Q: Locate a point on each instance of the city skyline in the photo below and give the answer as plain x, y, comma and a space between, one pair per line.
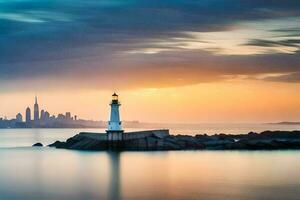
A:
38, 114
36, 118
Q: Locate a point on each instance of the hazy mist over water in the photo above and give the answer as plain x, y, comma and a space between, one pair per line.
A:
33, 173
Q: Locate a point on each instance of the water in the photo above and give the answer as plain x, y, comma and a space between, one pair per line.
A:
32, 173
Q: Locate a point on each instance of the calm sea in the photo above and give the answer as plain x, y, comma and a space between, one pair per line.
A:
32, 173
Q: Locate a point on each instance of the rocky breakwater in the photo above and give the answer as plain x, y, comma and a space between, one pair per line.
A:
268, 140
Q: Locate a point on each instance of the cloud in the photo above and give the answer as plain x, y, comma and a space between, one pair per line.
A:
270, 43
288, 78
144, 43
244, 38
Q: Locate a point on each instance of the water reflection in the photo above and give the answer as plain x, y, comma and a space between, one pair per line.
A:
41, 173
114, 188
37, 172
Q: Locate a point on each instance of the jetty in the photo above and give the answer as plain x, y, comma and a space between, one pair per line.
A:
161, 140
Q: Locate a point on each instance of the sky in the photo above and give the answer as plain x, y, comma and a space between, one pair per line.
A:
183, 61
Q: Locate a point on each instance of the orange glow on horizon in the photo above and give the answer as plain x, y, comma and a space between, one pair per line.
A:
232, 101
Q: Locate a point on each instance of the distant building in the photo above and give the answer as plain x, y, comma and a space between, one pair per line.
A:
68, 115
19, 117
47, 115
28, 115
60, 117
42, 117
36, 110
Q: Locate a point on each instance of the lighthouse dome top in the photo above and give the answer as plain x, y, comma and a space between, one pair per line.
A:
114, 96
115, 99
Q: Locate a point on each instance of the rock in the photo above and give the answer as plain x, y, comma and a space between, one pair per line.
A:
267, 140
58, 144
189, 142
37, 144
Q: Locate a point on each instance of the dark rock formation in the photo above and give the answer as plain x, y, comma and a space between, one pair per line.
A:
37, 145
267, 140
81, 142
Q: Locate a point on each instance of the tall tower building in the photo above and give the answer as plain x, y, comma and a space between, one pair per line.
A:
42, 116
28, 115
114, 131
36, 110
47, 115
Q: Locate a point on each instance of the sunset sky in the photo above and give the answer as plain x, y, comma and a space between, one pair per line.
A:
182, 61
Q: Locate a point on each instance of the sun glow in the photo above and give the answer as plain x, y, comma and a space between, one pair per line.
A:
230, 101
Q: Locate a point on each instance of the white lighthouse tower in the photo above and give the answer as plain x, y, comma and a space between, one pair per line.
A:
114, 131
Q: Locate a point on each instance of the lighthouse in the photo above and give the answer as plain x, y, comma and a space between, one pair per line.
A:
114, 131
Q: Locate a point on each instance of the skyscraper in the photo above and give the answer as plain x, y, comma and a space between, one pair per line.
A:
36, 110
28, 115
42, 116
47, 115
